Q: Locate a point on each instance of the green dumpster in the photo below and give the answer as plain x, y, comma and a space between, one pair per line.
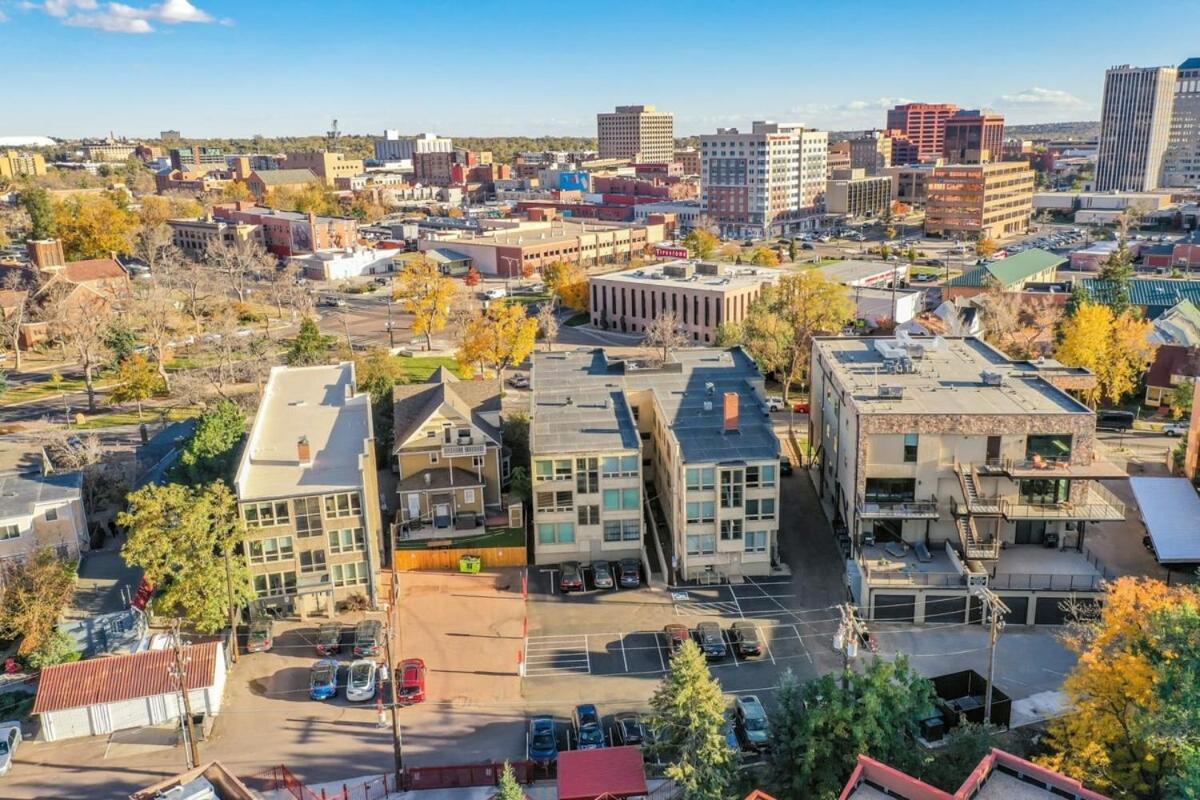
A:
469, 563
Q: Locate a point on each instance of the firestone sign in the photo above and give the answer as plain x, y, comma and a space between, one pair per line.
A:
670, 251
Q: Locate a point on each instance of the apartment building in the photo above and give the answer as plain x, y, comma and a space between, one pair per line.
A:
695, 426
702, 295
949, 466
923, 126
976, 201
197, 159
1181, 164
870, 152
639, 133
770, 180
973, 137
194, 236
1135, 127
689, 160
15, 164
308, 491
326, 166
108, 150
394, 147
434, 167
853, 193
447, 455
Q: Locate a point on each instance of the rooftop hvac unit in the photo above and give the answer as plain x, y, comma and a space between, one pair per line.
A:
891, 391
992, 378
199, 789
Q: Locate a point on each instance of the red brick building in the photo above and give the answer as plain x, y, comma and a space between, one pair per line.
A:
973, 137
289, 233
922, 124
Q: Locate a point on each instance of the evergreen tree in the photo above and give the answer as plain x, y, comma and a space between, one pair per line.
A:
310, 347
508, 788
1118, 271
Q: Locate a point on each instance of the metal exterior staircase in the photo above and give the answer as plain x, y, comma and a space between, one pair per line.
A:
973, 546
976, 503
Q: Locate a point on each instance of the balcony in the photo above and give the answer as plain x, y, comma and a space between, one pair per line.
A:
463, 448
1096, 504
900, 509
1050, 467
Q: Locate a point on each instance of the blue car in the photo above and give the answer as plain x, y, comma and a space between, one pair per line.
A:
322, 679
543, 745
589, 732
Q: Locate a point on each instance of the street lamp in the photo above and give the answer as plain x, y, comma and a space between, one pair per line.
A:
390, 330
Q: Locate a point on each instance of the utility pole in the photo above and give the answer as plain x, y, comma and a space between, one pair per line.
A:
233, 631
391, 331
995, 610
179, 673
393, 621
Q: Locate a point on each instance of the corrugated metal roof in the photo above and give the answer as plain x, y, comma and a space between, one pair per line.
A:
1008, 271
608, 772
110, 679
1150, 292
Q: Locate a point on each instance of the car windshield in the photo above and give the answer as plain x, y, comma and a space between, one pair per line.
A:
749, 635
362, 673
711, 635
543, 739
591, 734
3, 748
321, 675
632, 728
756, 723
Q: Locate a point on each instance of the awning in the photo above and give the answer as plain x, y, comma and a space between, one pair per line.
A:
607, 772
1171, 511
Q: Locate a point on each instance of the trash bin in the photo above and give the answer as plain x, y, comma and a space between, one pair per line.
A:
469, 563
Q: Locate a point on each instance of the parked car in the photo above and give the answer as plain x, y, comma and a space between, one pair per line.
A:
10, 740
711, 640
628, 730
329, 639
329, 301
571, 579
542, 743
1176, 428
261, 637
368, 638
776, 404
589, 732
785, 465
751, 719
361, 680
676, 634
801, 408
496, 294
630, 573
747, 639
410, 682
322, 679
807, 246
602, 575
518, 382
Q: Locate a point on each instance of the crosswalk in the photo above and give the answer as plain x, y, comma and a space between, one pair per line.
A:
557, 655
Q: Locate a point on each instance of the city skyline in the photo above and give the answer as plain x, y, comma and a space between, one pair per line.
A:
816, 67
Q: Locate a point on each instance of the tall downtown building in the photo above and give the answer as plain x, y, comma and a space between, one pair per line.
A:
769, 179
1181, 164
640, 133
1135, 126
923, 125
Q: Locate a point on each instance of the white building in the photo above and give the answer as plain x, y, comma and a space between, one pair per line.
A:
687, 212
114, 693
42, 511
1135, 125
394, 147
337, 265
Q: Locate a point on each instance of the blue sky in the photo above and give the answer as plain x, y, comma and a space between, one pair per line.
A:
486, 67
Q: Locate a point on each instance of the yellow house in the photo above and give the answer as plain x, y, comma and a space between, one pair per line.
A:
447, 455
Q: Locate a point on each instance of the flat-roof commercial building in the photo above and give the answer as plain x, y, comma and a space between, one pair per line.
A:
1181, 163
639, 133
195, 236
703, 296
696, 426
1135, 127
910, 182
394, 147
308, 491
871, 152
923, 125
951, 466
853, 193
15, 164
326, 166
973, 137
853, 272
290, 233
979, 200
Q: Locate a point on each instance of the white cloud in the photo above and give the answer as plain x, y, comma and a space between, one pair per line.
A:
1037, 96
174, 11
3, 17
121, 18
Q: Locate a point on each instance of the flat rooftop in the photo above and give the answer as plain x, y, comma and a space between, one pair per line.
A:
851, 271
542, 233
314, 402
946, 377
688, 274
580, 403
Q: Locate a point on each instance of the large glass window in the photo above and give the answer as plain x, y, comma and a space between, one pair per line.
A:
891, 490
911, 440
1051, 447
312, 561
757, 477
266, 515
701, 511
543, 470
700, 477
308, 516
620, 466
556, 533
1045, 491
349, 574
347, 540
732, 488
274, 583
731, 529
9, 532
628, 530
616, 499
273, 548
589, 515
346, 504
701, 544
587, 475
756, 541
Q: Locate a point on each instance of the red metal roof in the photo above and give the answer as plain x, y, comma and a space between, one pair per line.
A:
610, 771
110, 679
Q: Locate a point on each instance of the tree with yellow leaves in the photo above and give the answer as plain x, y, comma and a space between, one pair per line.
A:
1117, 349
499, 338
1118, 737
568, 282
425, 293
985, 247
93, 226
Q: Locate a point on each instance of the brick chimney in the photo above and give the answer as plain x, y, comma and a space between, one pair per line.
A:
731, 412
303, 451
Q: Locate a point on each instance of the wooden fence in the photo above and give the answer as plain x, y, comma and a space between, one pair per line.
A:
447, 558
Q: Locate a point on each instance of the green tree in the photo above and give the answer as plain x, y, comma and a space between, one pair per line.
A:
211, 450
121, 341
515, 432
425, 293
508, 788
310, 347
1180, 398
687, 713
36, 201
830, 722
700, 243
137, 381
1118, 270
57, 648
792, 250
181, 537
519, 485
965, 746
36, 590
376, 373
1172, 646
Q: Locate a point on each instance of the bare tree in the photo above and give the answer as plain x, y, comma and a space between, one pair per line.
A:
153, 246
12, 316
239, 262
547, 319
195, 282
153, 314
106, 476
80, 326
1001, 317
282, 290
665, 334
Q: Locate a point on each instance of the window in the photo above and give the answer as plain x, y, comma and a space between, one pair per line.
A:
554, 501
763, 508
615, 499
265, 515
700, 477
273, 548
308, 516
910, 448
433, 458
312, 561
346, 504
9, 532
890, 490
477, 462
732, 488
628, 530
347, 540
587, 475
562, 469
51, 514
274, 583
702, 511
704, 544
731, 529
543, 470
468, 495
589, 515
556, 533
349, 574
1050, 447
756, 541
620, 466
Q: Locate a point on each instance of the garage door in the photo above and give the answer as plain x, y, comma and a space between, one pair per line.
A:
69, 723
1049, 610
129, 714
1018, 606
945, 608
895, 607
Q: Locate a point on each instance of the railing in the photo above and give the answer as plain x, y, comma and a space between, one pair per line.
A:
900, 509
968, 481
974, 546
990, 466
1047, 582
452, 450
1037, 463
896, 578
1099, 504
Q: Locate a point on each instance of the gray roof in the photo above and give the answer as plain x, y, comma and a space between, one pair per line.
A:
21, 493
580, 404
413, 403
439, 478
278, 177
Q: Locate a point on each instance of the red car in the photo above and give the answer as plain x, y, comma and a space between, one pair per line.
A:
410, 682
801, 408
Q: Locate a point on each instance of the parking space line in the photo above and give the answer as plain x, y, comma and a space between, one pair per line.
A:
732, 649
767, 645
803, 647
621, 641
587, 654
662, 664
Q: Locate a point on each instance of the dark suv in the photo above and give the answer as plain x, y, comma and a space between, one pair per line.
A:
746, 638
368, 637
711, 640
630, 573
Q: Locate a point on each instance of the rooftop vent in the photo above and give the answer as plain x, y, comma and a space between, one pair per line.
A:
891, 390
570, 401
992, 378
710, 388
708, 405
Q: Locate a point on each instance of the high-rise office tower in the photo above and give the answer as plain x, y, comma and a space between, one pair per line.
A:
923, 125
1181, 164
1135, 126
639, 133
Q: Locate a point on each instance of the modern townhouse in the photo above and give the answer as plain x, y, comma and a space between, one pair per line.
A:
948, 466
308, 491
693, 431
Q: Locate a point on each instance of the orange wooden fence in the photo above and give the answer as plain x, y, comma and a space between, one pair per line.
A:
447, 558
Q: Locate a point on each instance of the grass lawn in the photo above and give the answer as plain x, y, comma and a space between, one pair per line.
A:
581, 318
111, 419
417, 369
44, 389
526, 299
501, 537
